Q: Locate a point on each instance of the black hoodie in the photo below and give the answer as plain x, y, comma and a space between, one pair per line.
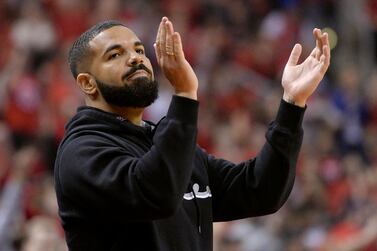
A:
125, 187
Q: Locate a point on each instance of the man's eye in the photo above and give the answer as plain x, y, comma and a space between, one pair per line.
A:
140, 51
114, 55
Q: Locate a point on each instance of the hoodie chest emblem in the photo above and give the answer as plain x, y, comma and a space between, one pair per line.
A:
197, 194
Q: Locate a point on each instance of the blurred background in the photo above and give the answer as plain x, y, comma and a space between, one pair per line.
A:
238, 49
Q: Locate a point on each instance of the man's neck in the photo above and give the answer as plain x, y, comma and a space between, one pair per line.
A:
134, 115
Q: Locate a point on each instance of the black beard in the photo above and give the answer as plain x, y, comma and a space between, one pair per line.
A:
140, 93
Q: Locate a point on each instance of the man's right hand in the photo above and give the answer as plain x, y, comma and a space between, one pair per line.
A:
171, 59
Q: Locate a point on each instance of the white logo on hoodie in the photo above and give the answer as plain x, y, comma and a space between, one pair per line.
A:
199, 195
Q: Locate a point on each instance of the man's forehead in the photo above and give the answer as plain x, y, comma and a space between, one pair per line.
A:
116, 34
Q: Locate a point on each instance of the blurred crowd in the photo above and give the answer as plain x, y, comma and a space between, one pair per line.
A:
238, 49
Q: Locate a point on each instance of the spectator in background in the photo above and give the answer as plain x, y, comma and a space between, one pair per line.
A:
12, 195
42, 233
33, 32
348, 100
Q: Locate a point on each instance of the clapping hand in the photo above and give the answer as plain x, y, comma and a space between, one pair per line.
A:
300, 80
171, 59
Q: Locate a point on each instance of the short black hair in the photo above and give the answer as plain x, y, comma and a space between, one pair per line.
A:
80, 48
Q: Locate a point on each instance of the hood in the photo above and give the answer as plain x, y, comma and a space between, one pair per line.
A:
93, 120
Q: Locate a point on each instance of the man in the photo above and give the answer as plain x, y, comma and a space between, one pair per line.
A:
126, 184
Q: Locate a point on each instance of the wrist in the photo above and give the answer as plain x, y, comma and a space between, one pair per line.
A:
294, 101
192, 95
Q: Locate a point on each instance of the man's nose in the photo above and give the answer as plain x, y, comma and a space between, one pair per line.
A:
135, 59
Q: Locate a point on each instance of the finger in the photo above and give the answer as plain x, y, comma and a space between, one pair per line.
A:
314, 52
178, 48
157, 52
317, 34
158, 38
325, 59
295, 55
157, 44
169, 39
163, 36
317, 54
325, 39
327, 50
318, 41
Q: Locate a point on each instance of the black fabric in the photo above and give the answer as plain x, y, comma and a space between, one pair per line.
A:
124, 187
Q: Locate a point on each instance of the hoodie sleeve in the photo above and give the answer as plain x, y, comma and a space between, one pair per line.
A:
101, 178
260, 185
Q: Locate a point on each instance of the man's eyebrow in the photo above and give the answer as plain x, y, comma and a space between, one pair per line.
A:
113, 47
118, 46
138, 43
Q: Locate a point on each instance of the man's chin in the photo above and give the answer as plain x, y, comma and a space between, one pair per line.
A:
138, 79
140, 93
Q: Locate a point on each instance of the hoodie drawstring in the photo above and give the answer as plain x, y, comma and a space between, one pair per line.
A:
198, 216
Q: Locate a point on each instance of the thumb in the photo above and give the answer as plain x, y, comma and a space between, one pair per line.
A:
295, 55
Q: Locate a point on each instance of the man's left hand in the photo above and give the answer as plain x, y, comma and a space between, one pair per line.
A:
300, 80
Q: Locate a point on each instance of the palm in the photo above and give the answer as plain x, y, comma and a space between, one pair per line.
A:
300, 80
304, 78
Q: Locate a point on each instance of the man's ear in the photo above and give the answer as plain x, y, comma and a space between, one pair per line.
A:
87, 83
